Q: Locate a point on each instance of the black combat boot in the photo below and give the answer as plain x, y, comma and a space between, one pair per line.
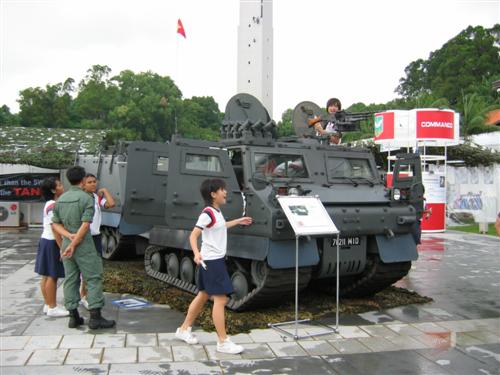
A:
74, 319
97, 321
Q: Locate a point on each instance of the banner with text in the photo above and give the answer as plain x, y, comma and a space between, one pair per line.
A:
22, 187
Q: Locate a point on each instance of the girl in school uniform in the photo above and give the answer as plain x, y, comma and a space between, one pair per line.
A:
48, 258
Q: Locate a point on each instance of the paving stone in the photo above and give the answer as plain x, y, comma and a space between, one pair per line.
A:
169, 339
21, 306
43, 325
378, 344
145, 339
435, 340
318, 347
83, 356
283, 365
13, 357
187, 368
213, 354
189, 353
287, 349
406, 342
379, 331
349, 346
155, 354
488, 353
265, 335
109, 341
205, 338
463, 339
341, 365
119, 355
330, 336
257, 351
489, 324
59, 370
14, 325
461, 325
350, 332
77, 342
13, 342
404, 329
43, 342
242, 338
485, 337
430, 327
48, 357
398, 362
458, 362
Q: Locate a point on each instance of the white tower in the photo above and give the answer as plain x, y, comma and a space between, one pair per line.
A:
255, 51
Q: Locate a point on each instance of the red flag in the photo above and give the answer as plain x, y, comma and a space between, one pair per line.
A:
180, 28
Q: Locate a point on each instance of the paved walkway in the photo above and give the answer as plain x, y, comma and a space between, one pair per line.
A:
459, 333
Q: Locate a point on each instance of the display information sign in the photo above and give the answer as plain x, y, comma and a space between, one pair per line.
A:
307, 215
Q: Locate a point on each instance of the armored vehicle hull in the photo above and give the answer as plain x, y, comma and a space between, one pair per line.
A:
378, 225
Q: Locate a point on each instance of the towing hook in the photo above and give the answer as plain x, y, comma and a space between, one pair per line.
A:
389, 233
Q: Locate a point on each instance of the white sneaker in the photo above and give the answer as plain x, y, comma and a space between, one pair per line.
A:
227, 346
45, 309
57, 312
85, 303
186, 336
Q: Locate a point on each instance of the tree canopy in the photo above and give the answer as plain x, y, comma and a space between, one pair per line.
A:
129, 105
461, 66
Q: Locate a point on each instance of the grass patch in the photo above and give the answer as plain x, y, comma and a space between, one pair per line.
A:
474, 228
129, 277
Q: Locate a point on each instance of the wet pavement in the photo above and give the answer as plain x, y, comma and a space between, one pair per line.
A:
458, 333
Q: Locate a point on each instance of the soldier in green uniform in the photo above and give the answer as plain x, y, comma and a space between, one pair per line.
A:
72, 216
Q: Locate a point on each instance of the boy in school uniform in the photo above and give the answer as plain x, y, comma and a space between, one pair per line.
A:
213, 279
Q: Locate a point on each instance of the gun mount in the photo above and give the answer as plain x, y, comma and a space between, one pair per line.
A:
307, 114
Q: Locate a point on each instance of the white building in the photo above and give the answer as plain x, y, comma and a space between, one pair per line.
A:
255, 51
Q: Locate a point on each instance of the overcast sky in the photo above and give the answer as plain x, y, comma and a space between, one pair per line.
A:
352, 49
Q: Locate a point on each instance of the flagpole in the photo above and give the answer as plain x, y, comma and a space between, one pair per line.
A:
177, 77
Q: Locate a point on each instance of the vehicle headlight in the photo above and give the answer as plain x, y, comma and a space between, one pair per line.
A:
396, 194
293, 191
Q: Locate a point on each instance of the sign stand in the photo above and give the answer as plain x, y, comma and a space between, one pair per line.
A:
308, 217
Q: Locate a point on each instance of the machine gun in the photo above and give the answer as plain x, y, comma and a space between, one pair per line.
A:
307, 114
342, 120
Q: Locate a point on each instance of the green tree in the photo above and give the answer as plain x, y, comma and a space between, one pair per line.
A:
96, 98
285, 126
49, 108
199, 118
147, 104
457, 67
7, 118
474, 114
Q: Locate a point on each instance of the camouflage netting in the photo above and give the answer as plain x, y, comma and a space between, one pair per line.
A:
47, 147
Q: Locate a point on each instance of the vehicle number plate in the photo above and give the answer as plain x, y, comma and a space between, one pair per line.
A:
346, 241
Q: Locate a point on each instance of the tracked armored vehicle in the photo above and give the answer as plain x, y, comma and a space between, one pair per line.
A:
118, 236
377, 224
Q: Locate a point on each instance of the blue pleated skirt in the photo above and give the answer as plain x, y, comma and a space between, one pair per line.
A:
48, 259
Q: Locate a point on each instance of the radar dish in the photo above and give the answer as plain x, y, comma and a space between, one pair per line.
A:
242, 107
303, 112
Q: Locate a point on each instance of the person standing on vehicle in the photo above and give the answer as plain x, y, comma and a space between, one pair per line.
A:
333, 105
73, 214
102, 199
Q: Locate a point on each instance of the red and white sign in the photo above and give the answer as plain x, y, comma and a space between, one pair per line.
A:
435, 124
384, 125
406, 128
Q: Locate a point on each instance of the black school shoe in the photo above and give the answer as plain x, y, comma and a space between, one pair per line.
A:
98, 322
